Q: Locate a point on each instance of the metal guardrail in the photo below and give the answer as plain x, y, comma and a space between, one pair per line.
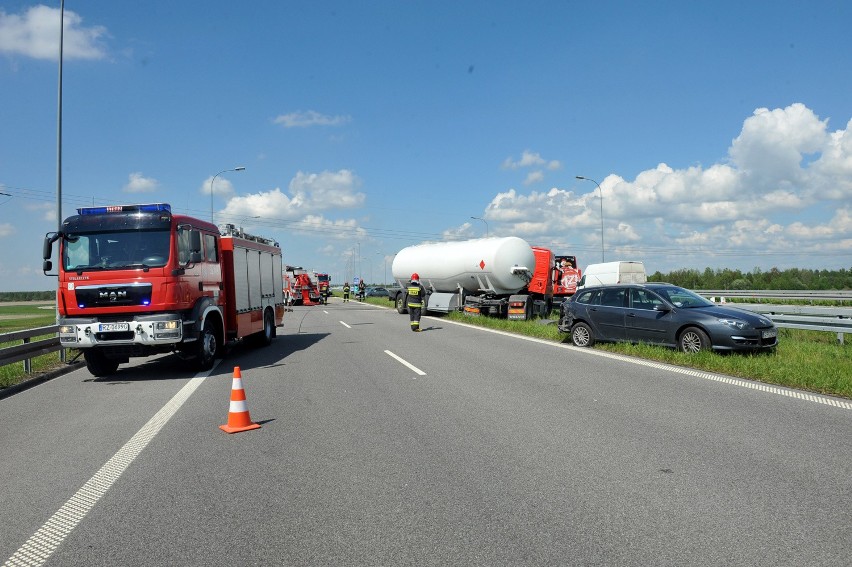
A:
831, 295
30, 349
809, 317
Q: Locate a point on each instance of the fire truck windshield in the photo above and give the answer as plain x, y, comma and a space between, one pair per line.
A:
119, 250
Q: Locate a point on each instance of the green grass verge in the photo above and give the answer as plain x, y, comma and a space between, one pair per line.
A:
18, 318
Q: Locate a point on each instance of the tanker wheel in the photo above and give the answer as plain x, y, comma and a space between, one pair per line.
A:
400, 304
205, 348
98, 364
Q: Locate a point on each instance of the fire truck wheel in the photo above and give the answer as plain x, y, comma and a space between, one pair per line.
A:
265, 337
205, 350
98, 364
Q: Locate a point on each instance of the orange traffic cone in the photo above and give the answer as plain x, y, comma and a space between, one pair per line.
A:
238, 414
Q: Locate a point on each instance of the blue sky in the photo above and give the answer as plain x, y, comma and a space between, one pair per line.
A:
719, 132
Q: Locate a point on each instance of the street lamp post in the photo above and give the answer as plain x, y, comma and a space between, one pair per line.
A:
240, 168
486, 224
59, 146
384, 266
602, 223
59, 129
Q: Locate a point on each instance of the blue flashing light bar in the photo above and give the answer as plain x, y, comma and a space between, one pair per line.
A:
151, 208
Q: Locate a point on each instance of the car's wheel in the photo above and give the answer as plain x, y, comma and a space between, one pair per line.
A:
581, 335
400, 304
693, 340
205, 349
98, 364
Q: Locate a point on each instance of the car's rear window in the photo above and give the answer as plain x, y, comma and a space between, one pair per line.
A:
613, 297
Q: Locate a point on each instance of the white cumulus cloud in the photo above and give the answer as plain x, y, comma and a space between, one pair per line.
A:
530, 159
137, 183
767, 196
35, 33
308, 195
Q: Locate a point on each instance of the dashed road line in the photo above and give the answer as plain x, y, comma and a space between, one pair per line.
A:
406, 363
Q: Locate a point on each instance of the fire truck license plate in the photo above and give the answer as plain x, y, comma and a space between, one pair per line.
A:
107, 327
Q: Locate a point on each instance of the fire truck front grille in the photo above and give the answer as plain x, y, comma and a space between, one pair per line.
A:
113, 295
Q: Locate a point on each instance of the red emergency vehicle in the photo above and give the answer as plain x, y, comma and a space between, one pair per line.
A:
324, 286
302, 289
137, 280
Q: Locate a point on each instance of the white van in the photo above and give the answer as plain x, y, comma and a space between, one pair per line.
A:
613, 273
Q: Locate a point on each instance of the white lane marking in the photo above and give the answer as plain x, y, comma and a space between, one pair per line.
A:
41, 545
406, 363
324, 311
741, 382
345, 325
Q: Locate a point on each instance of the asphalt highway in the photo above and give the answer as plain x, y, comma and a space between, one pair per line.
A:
454, 446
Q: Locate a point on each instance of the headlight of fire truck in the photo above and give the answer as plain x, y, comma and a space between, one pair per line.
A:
166, 329
67, 333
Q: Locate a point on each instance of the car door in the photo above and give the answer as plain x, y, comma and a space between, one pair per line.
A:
608, 316
648, 319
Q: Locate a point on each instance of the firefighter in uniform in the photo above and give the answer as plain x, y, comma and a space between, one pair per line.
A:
416, 295
346, 289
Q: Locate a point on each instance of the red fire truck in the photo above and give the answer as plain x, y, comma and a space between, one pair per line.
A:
137, 280
324, 285
303, 291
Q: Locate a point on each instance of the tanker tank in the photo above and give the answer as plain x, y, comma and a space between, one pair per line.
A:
494, 265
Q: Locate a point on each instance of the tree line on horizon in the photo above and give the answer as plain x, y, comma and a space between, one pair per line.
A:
757, 279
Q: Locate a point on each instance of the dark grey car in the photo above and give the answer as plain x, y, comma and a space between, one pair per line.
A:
376, 292
662, 314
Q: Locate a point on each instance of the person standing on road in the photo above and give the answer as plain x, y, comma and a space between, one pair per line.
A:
346, 290
416, 295
324, 292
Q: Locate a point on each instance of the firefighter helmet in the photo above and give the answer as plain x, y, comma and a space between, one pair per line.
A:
415, 277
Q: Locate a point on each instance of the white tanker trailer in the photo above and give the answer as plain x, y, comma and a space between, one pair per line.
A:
489, 276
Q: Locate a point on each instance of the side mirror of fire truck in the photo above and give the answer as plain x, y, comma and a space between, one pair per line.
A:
47, 250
